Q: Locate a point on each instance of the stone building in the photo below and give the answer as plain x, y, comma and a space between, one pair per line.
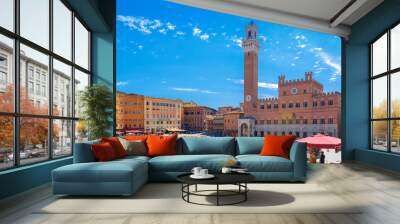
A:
301, 108
148, 114
195, 117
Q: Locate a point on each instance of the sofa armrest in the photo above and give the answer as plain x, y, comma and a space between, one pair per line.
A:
298, 155
83, 152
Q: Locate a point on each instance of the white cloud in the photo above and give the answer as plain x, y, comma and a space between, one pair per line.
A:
193, 90
236, 40
145, 25
185, 89
301, 45
293, 64
196, 32
264, 85
267, 85
156, 24
228, 45
180, 33
297, 57
329, 61
140, 47
122, 83
300, 37
170, 26
204, 36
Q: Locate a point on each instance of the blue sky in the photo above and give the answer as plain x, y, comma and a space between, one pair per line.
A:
180, 52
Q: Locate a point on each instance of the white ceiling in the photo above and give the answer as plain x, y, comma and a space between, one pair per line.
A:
317, 15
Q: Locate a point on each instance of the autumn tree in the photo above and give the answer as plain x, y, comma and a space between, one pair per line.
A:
379, 128
33, 131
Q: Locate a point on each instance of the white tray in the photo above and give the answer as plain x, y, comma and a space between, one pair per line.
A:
208, 176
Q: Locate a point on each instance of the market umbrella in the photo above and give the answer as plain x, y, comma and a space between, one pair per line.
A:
134, 131
320, 141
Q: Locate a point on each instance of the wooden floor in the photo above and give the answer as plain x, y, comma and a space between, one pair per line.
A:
378, 189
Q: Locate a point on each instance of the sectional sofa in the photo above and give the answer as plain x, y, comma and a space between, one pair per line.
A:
125, 176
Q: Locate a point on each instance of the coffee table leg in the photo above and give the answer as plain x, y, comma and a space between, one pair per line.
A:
195, 188
217, 194
245, 193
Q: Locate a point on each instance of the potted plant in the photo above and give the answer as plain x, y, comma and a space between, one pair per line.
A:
96, 103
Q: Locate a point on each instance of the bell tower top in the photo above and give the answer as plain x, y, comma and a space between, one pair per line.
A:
251, 31
250, 41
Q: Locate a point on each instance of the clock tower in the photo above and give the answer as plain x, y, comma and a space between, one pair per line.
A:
250, 46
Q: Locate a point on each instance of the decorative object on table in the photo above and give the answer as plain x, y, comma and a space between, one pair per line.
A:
226, 170
200, 173
231, 163
96, 102
239, 180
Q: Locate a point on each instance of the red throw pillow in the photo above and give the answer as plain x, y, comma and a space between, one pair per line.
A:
161, 145
103, 152
116, 145
277, 145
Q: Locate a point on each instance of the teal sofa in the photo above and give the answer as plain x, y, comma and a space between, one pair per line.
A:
125, 176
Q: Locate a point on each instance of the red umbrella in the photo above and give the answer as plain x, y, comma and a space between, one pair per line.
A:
320, 141
134, 131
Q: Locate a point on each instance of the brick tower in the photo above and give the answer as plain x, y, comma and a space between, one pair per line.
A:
250, 46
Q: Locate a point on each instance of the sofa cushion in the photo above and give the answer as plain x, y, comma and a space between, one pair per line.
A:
103, 152
249, 145
116, 145
206, 145
257, 163
134, 147
161, 145
277, 145
112, 171
185, 163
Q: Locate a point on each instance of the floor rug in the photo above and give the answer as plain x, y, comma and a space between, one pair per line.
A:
166, 198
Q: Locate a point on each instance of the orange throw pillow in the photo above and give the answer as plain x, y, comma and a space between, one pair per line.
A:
116, 145
161, 145
277, 145
103, 152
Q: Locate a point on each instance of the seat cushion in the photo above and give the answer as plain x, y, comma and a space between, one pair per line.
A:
206, 145
185, 163
249, 145
257, 163
112, 171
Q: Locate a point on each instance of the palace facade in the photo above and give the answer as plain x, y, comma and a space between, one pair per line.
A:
301, 108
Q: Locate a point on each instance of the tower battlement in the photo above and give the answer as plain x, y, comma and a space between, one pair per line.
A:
308, 77
268, 100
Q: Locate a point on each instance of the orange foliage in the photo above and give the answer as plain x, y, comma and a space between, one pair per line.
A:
33, 130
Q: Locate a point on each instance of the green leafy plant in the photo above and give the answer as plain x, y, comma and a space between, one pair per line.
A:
96, 103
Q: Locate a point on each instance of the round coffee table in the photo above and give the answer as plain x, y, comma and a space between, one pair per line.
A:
238, 179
